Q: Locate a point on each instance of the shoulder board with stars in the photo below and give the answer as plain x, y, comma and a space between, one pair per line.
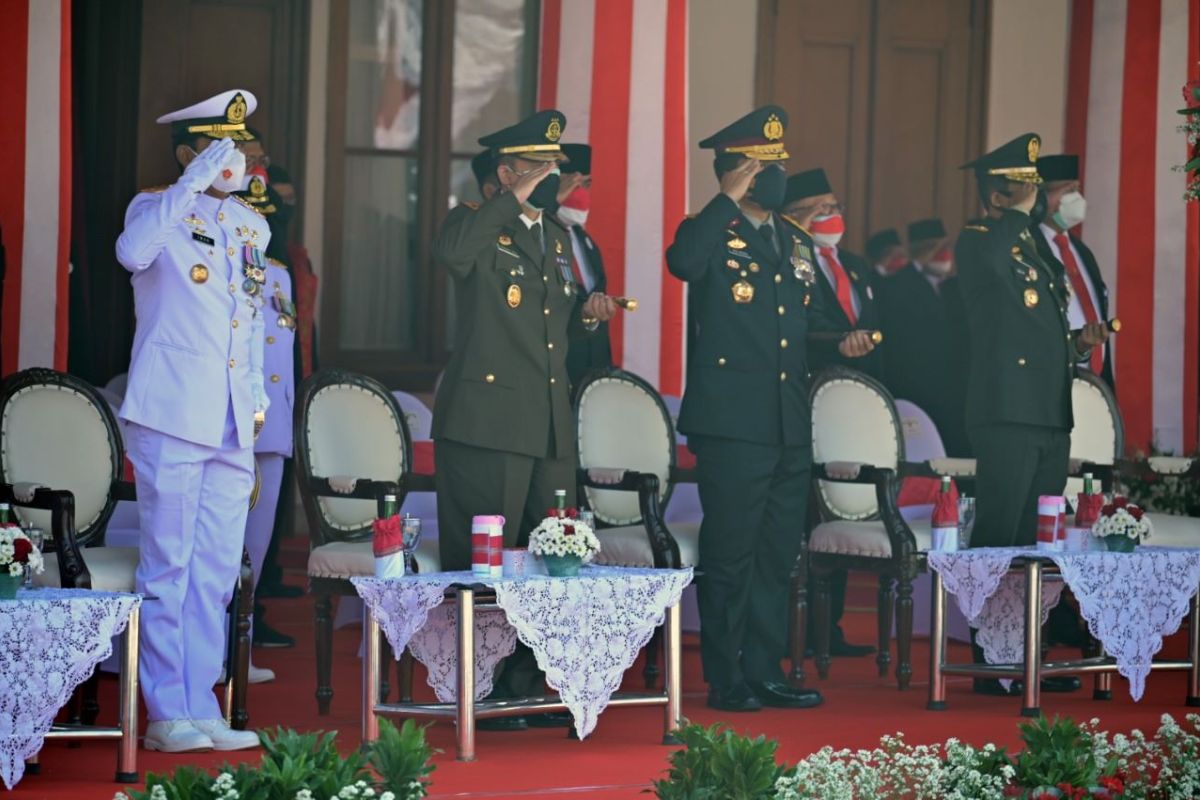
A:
795, 222
248, 205
980, 228
276, 262
471, 204
154, 189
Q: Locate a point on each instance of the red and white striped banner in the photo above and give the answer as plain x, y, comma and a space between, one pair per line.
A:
35, 176
618, 70
1129, 60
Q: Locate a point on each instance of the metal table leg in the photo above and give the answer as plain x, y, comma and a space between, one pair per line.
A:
1033, 639
937, 644
466, 674
370, 677
127, 770
1193, 698
674, 677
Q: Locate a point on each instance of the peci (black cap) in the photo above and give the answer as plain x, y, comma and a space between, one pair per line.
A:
579, 159
880, 241
924, 230
1058, 168
810, 183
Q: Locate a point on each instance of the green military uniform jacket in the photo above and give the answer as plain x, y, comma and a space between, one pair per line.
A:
747, 370
505, 387
1022, 349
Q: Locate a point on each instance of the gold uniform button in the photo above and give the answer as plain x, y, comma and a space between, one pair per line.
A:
545, 279
720, 362
274, 379
270, 340
220, 216
490, 378
550, 345
230, 251
235, 323
783, 376
232, 362
783, 343
781, 310
546, 311
232, 288
552, 380
778, 278
1020, 362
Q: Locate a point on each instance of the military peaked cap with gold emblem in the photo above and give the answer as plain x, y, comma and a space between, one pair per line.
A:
220, 116
1058, 168
924, 230
533, 139
1015, 160
757, 135
810, 183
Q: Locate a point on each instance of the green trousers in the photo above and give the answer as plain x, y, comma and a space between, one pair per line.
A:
1015, 464
754, 498
474, 481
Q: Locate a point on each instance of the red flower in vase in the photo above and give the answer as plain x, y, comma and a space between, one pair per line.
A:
21, 550
1135, 512
1108, 510
1120, 502
572, 513
568, 530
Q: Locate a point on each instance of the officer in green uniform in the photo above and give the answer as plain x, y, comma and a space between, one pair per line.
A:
1023, 352
502, 417
750, 276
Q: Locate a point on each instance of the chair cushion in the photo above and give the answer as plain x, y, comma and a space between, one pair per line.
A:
357, 559
863, 539
112, 569
628, 546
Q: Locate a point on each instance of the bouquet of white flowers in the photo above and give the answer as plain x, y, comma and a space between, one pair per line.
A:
1122, 518
17, 552
565, 535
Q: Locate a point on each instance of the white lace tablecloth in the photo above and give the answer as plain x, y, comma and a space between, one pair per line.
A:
1131, 601
585, 632
50, 641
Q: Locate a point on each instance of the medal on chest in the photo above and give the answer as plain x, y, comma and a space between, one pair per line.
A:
254, 270
285, 309
802, 264
564, 270
743, 292
513, 295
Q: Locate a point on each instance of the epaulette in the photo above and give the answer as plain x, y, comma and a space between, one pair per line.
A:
795, 222
980, 228
471, 204
248, 205
154, 189
276, 262
556, 222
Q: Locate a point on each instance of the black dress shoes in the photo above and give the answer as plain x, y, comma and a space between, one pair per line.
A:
843, 649
549, 719
1058, 684
502, 724
781, 695
735, 698
266, 636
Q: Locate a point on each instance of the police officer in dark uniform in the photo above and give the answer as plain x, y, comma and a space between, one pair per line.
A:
750, 278
1023, 352
502, 417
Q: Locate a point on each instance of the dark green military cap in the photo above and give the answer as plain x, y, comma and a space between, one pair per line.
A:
533, 139
1015, 160
757, 135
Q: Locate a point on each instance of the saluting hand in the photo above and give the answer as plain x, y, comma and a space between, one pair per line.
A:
202, 170
529, 181
736, 182
856, 344
1093, 334
1024, 196
600, 306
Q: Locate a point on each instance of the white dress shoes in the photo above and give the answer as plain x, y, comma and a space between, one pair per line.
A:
177, 736
225, 738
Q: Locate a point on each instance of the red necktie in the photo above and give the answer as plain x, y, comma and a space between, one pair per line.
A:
1079, 286
841, 281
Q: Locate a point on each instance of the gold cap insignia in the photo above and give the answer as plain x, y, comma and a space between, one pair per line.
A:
743, 292
736, 244
514, 296
199, 273
235, 112
1031, 298
1034, 145
773, 128
554, 131
258, 189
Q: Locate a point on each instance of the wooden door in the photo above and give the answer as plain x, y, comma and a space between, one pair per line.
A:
886, 95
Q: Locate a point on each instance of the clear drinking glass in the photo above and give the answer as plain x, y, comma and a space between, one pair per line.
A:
966, 521
588, 517
410, 531
36, 537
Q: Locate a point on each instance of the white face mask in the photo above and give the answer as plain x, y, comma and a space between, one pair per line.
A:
573, 216
940, 268
1072, 209
236, 166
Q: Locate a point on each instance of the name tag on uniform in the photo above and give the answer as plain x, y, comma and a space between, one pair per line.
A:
200, 237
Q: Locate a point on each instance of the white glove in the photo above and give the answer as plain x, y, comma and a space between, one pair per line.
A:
343, 484
261, 401
205, 167
24, 491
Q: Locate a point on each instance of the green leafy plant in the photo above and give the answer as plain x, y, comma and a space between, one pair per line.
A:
1059, 752
308, 766
718, 764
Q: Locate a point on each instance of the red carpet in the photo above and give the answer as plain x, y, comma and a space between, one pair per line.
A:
624, 755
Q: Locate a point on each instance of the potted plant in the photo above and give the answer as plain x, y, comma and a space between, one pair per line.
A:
564, 542
17, 554
1121, 526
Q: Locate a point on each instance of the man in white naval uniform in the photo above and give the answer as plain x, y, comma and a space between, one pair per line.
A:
274, 444
194, 402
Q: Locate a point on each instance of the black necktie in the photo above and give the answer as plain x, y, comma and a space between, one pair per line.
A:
537, 234
768, 230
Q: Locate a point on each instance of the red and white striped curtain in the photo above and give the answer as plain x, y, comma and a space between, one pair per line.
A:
618, 70
1129, 60
35, 182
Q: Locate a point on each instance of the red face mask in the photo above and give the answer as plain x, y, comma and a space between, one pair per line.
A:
945, 254
833, 224
579, 199
896, 264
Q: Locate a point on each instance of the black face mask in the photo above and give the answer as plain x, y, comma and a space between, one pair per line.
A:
545, 195
769, 188
1038, 213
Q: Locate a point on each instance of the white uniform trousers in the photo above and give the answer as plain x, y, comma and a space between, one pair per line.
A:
192, 503
260, 523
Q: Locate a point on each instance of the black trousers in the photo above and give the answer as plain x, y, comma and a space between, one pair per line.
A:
1015, 464
473, 480
754, 498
